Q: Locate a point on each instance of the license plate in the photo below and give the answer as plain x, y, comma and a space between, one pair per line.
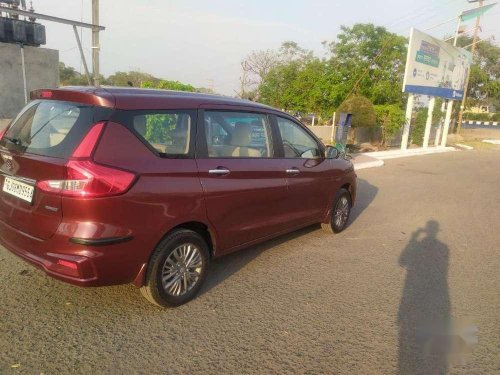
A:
18, 189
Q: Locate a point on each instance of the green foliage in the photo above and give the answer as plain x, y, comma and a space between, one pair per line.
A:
371, 60
159, 126
363, 112
68, 76
390, 117
495, 116
366, 58
484, 81
132, 78
480, 116
418, 127
168, 85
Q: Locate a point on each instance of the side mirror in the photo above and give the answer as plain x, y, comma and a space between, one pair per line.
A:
331, 152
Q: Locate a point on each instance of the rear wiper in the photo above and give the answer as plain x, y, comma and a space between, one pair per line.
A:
12, 140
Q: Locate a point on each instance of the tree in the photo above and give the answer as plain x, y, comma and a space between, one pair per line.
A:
363, 112
484, 81
169, 85
258, 64
68, 76
390, 117
371, 61
365, 60
132, 78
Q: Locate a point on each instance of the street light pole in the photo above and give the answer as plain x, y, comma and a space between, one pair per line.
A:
95, 42
473, 48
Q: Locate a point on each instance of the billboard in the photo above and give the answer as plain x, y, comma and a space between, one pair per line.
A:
434, 67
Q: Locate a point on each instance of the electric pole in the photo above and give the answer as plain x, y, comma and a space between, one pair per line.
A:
95, 42
473, 48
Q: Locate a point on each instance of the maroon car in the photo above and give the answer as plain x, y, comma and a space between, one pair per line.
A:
108, 186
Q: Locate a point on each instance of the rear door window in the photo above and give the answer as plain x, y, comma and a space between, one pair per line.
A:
237, 135
49, 128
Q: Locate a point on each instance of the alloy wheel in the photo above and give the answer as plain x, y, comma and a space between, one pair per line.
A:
341, 212
182, 269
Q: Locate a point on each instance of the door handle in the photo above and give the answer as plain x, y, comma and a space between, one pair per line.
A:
292, 171
219, 171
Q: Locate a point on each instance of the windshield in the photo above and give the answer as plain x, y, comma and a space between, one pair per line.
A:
48, 128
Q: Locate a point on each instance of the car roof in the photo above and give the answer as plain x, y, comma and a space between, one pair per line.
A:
140, 98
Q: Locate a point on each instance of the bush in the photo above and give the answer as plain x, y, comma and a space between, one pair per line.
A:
477, 116
363, 112
418, 128
390, 117
495, 116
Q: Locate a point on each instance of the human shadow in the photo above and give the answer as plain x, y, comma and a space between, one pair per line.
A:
365, 195
424, 311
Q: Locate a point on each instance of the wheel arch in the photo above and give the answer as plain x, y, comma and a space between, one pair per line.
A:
199, 227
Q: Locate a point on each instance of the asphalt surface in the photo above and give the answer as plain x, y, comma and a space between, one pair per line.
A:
420, 255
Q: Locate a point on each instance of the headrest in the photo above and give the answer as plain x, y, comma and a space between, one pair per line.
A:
242, 134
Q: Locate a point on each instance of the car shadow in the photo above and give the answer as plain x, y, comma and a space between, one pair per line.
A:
424, 310
365, 195
224, 267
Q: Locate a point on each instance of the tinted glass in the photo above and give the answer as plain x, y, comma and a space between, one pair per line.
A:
49, 128
168, 132
297, 143
237, 135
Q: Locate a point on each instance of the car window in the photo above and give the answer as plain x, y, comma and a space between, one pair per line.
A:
169, 133
237, 135
297, 143
49, 128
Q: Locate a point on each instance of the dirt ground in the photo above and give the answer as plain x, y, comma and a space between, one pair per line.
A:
419, 260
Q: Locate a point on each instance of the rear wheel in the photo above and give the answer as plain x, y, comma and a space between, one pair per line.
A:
177, 269
339, 215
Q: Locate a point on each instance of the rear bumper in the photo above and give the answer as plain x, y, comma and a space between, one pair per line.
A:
80, 264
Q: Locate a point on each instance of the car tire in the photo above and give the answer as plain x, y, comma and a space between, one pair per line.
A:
177, 269
341, 206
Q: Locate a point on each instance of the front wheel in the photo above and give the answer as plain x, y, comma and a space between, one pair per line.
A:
177, 269
339, 215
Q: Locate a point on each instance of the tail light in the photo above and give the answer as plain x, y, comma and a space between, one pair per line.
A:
86, 179
2, 132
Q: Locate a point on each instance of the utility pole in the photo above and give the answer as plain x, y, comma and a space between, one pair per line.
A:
95, 42
449, 106
473, 48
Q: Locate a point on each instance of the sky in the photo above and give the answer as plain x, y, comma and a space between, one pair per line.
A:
202, 42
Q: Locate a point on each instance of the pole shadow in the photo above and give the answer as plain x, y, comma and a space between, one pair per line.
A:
424, 310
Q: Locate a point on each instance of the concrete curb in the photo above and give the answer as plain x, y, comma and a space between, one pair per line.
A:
369, 164
392, 154
492, 141
465, 147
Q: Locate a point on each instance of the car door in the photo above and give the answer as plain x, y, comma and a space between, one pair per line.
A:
243, 183
311, 178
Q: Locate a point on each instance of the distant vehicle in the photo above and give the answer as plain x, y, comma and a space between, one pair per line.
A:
121, 185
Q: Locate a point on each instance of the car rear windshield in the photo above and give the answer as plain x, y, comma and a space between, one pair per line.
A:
49, 128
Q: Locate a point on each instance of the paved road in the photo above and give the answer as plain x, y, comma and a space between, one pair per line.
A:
422, 249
